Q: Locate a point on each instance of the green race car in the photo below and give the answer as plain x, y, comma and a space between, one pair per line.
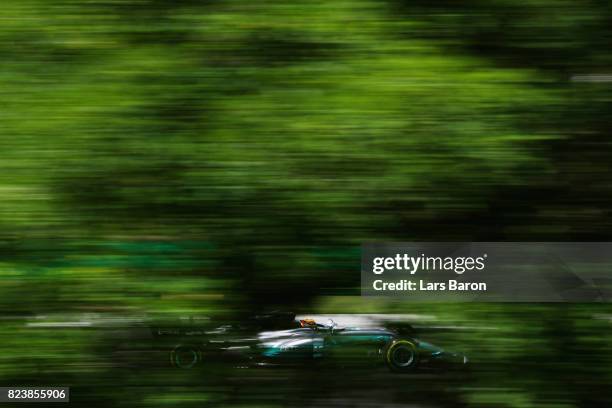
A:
307, 341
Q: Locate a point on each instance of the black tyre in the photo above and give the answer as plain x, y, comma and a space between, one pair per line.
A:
185, 356
401, 356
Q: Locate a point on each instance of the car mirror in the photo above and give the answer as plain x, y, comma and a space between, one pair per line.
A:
332, 325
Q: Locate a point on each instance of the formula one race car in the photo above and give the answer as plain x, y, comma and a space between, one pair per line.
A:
266, 343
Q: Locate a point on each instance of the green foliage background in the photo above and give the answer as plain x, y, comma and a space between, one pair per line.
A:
223, 157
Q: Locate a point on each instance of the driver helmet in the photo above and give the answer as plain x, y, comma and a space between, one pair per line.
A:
308, 323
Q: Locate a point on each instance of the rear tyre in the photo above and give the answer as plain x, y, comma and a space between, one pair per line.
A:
185, 356
401, 356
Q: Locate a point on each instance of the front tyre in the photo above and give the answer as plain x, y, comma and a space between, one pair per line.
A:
401, 356
185, 356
